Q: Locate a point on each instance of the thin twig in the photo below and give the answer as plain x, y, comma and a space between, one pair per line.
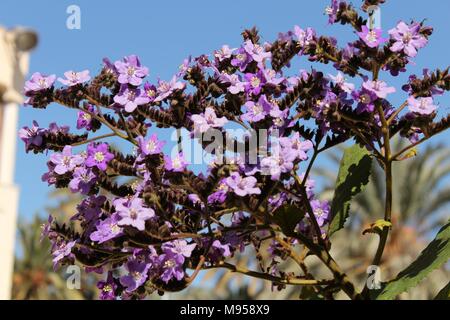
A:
94, 139
268, 277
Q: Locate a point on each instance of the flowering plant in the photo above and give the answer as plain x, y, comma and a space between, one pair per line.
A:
152, 224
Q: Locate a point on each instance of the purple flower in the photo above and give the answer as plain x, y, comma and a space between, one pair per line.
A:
278, 163
365, 99
46, 228
150, 92
65, 161
203, 122
372, 38
242, 186
172, 266
332, 10
218, 250
271, 79
285, 36
235, 84
108, 65
149, 146
85, 119
254, 82
98, 156
130, 70
131, 98
380, 88
107, 229
180, 247
257, 52
82, 181
407, 39
303, 37
298, 146
321, 211
39, 82
165, 89
177, 164
133, 213
73, 78
277, 200
32, 136
241, 59
421, 106
339, 80
256, 111
49, 176
279, 117
203, 62
63, 250
184, 67
309, 186
220, 195
107, 288
137, 274
55, 129
224, 53
195, 199
323, 104
90, 208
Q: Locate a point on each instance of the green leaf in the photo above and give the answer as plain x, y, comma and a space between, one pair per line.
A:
432, 257
288, 217
444, 294
353, 176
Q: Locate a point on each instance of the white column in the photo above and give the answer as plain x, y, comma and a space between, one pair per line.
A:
15, 45
9, 196
8, 138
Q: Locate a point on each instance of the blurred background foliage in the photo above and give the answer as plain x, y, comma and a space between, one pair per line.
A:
421, 198
34, 277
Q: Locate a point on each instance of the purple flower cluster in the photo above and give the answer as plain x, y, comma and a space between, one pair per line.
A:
151, 220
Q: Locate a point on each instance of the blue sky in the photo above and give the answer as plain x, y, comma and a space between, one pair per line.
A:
163, 33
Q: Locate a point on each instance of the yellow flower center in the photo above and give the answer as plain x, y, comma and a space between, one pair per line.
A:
407, 37
169, 263
257, 109
131, 71
364, 99
319, 212
136, 275
240, 57
371, 36
151, 145
176, 163
66, 160
255, 82
99, 156
42, 83
107, 288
